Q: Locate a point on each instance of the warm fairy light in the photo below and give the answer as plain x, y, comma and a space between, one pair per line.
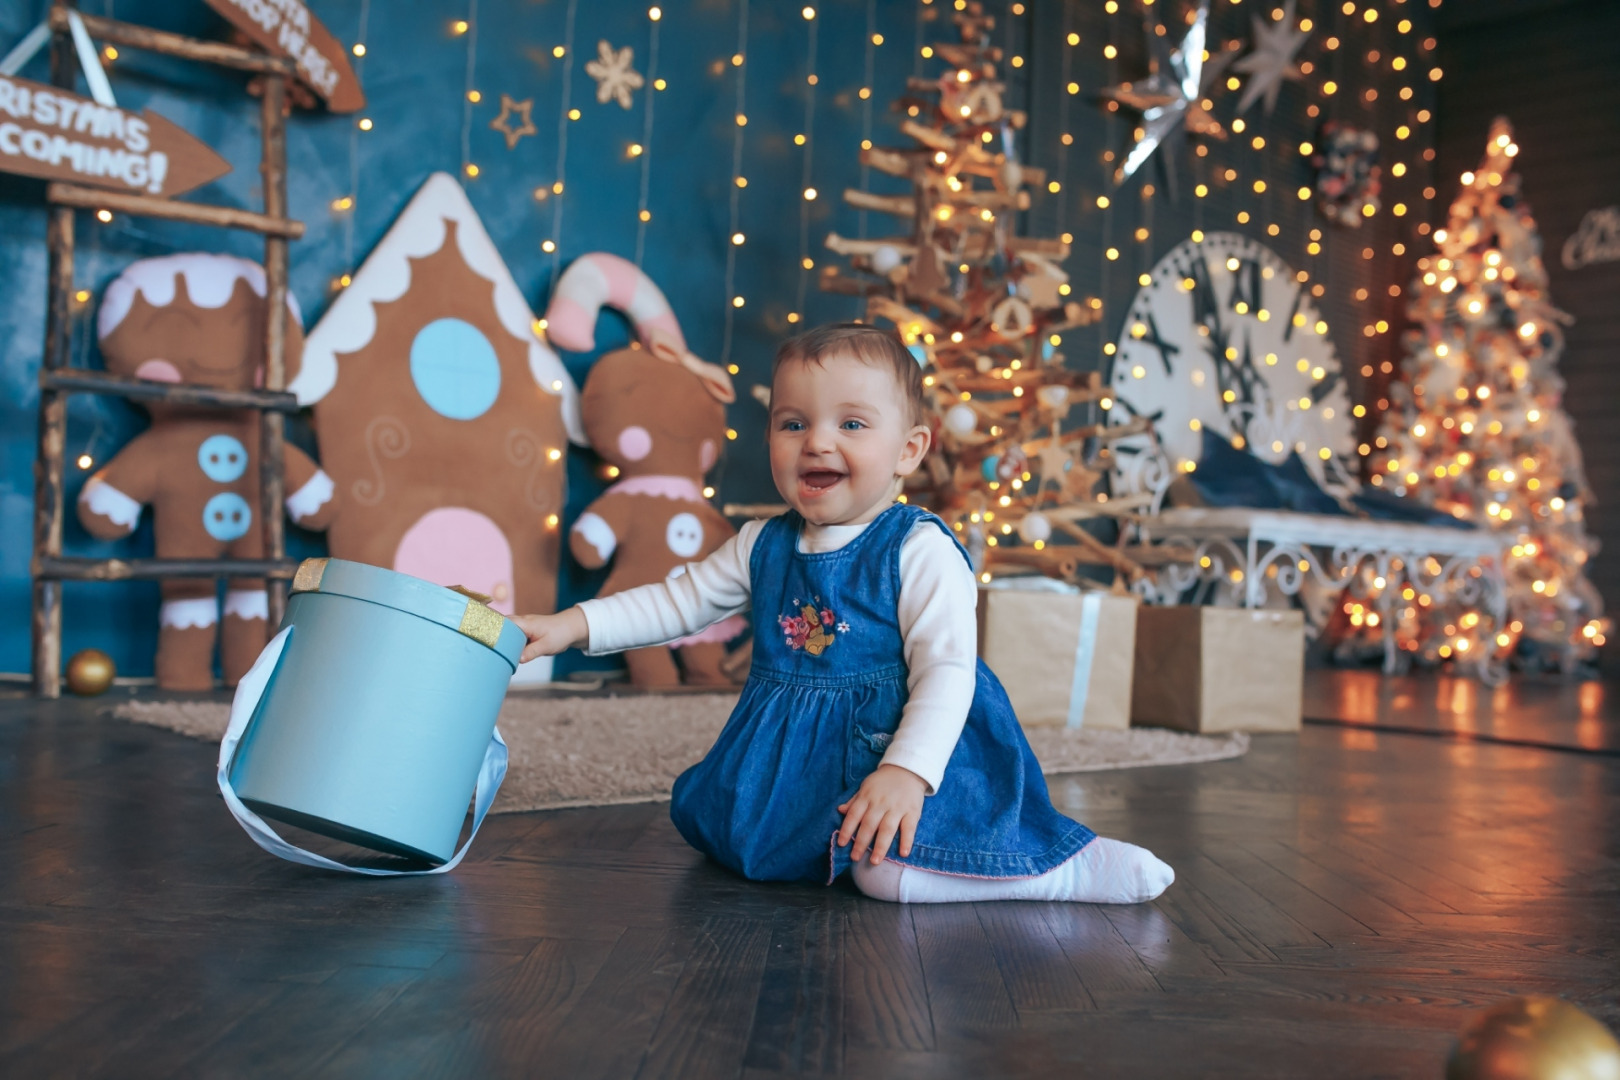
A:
736, 301
809, 193
459, 26
548, 246
104, 216
559, 52
365, 123
85, 461
655, 13
808, 12
359, 49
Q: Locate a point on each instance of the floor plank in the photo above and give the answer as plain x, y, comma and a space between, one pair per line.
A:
1345, 899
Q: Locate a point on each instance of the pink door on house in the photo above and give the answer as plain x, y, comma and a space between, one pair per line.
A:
456, 546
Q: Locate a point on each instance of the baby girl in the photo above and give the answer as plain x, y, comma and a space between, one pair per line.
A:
869, 735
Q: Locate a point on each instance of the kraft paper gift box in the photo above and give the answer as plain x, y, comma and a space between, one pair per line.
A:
1065, 657
1209, 669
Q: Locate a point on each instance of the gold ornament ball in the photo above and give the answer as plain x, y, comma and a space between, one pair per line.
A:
90, 672
1534, 1038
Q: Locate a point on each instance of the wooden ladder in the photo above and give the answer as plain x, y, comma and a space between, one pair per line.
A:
56, 379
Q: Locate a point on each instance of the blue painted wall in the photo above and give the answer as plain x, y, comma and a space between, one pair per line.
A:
415, 73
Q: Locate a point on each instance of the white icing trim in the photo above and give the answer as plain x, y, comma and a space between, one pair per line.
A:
316, 493
351, 322
210, 281
189, 614
597, 533
104, 499
247, 604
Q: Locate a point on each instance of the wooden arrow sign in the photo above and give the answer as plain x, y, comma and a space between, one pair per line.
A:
56, 134
286, 28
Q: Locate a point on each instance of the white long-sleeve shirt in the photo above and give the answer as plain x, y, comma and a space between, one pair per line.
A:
937, 622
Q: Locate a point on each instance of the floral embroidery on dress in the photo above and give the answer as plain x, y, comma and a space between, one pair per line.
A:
811, 629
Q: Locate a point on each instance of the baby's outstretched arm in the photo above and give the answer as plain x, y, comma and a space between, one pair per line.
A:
551, 634
698, 595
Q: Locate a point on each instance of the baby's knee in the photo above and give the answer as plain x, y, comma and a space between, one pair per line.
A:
880, 882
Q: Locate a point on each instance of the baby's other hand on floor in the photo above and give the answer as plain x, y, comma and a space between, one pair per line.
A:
889, 801
551, 634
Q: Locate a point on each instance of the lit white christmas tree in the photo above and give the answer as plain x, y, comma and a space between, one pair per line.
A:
1477, 428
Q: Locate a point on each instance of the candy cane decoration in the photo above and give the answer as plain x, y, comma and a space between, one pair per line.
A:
602, 280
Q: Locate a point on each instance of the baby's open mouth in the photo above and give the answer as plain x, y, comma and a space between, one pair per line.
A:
818, 480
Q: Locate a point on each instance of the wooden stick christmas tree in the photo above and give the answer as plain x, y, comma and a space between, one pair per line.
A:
984, 310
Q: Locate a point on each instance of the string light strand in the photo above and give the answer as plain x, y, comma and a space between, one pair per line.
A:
643, 213
737, 182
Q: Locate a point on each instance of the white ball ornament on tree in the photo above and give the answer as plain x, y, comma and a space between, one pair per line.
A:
961, 419
885, 259
1035, 527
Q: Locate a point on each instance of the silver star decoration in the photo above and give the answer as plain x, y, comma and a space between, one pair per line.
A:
1271, 60
1171, 96
615, 78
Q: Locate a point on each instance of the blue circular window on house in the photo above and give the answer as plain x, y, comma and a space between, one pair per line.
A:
227, 517
455, 369
223, 459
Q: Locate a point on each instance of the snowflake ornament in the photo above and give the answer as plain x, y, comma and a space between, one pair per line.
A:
615, 78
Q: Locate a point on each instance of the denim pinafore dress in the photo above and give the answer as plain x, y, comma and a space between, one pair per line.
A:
822, 702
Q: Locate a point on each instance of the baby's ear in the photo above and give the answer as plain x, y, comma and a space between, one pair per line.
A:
915, 448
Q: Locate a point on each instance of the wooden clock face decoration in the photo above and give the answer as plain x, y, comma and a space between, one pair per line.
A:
1225, 336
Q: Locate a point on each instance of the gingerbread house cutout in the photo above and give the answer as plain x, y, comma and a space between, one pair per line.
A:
442, 414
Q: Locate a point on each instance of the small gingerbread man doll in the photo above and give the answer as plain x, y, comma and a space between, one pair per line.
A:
656, 413
198, 319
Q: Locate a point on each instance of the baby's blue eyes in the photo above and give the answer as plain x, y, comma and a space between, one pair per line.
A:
798, 425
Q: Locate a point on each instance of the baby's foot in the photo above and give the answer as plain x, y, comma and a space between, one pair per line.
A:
1104, 872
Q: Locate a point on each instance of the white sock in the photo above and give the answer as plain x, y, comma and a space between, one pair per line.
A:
1104, 872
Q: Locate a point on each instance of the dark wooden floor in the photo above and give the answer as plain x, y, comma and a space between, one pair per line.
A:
1345, 898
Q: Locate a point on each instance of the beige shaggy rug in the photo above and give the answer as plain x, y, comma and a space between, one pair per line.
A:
600, 751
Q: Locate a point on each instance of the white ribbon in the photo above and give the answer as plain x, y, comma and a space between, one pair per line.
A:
1084, 652
35, 40
248, 693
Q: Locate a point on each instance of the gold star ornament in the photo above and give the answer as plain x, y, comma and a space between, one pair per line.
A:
514, 109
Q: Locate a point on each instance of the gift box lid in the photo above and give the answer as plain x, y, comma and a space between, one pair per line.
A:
401, 592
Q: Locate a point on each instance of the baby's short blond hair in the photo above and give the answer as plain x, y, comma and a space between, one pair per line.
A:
868, 344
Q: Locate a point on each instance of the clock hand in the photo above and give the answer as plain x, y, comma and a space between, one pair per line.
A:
1288, 323
1206, 309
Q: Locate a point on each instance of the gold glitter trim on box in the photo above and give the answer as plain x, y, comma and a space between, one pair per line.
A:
482, 624
308, 577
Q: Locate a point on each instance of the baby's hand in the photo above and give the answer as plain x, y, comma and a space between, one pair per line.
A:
890, 800
551, 634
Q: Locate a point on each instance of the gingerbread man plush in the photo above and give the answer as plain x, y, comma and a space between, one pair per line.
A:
656, 413
198, 319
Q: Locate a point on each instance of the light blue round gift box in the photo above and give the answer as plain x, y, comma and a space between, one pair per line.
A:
376, 719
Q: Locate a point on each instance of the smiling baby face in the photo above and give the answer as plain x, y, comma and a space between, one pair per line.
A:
844, 431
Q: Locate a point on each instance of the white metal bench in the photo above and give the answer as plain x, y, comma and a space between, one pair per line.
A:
1247, 553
